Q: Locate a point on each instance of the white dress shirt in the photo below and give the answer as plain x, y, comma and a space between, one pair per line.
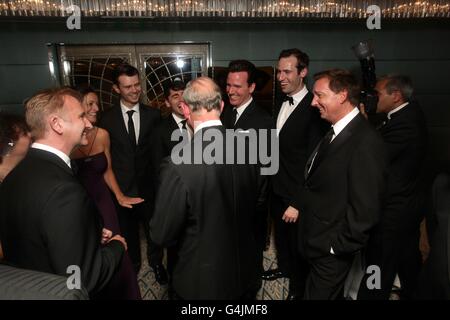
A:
341, 124
136, 118
178, 121
286, 109
206, 124
396, 109
64, 157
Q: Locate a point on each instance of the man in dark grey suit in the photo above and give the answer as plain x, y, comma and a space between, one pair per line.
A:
131, 126
47, 220
208, 207
341, 198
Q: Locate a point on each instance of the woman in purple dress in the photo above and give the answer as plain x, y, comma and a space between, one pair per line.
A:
93, 163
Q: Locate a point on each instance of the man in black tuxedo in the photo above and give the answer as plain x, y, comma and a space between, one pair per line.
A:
47, 220
394, 245
299, 129
243, 113
173, 94
208, 206
130, 126
340, 201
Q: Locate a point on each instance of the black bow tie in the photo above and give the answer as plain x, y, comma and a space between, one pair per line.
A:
290, 99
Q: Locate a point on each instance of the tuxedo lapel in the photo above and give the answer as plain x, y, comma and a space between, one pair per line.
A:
172, 124
245, 115
225, 117
309, 162
276, 113
345, 134
300, 108
338, 141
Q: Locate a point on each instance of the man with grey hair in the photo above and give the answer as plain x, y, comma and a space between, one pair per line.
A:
394, 244
207, 208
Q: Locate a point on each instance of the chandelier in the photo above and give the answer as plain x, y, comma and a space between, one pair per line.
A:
346, 9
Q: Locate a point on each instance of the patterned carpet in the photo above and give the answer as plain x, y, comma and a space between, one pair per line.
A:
271, 290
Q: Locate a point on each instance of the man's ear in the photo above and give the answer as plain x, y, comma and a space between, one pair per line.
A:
252, 87
166, 102
116, 88
342, 96
396, 96
55, 124
304, 72
221, 106
186, 110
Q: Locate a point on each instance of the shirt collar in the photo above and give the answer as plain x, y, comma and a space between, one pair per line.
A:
298, 97
396, 109
177, 118
341, 124
64, 157
206, 124
240, 110
125, 108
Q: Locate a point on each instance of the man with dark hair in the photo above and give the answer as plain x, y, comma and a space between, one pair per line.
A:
47, 220
131, 126
208, 208
340, 200
394, 244
173, 94
243, 114
299, 129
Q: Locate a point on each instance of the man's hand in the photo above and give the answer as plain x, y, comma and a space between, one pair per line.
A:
290, 215
121, 239
106, 235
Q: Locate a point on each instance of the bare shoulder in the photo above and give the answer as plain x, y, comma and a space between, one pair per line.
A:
102, 134
102, 138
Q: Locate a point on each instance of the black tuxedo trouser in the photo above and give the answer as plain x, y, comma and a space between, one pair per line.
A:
395, 253
327, 278
261, 235
286, 244
129, 221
